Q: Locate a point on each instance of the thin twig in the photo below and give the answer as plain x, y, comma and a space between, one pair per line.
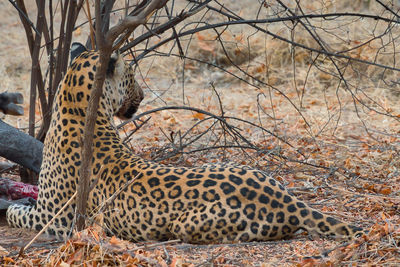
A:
126, 139
158, 244
108, 201
25, 17
21, 252
90, 25
272, 20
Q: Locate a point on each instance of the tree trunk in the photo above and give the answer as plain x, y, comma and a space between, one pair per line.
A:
20, 148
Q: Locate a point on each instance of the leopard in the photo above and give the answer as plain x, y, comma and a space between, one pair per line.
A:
212, 203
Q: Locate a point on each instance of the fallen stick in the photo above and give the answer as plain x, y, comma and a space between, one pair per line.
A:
8, 103
20, 148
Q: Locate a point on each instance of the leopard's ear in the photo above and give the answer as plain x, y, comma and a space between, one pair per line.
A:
76, 50
114, 63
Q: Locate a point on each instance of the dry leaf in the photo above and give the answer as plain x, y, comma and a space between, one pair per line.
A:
75, 257
64, 264
114, 240
204, 44
199, 116
385, 191
3, 251
77, 32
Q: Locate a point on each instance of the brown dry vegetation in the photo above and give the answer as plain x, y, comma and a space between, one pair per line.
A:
337, 150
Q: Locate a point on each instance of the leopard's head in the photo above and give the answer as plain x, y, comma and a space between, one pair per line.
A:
122, 95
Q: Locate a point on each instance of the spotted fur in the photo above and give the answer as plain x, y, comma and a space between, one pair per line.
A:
212, 203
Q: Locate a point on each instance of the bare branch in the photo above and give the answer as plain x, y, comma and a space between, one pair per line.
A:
24, 17
132, 22
35, 67
166, 26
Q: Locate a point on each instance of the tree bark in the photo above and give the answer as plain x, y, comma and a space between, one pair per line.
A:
20, 148
9, 103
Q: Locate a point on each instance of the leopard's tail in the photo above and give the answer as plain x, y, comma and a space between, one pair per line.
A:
315, 221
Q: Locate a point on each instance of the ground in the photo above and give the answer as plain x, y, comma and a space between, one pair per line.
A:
338, 154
